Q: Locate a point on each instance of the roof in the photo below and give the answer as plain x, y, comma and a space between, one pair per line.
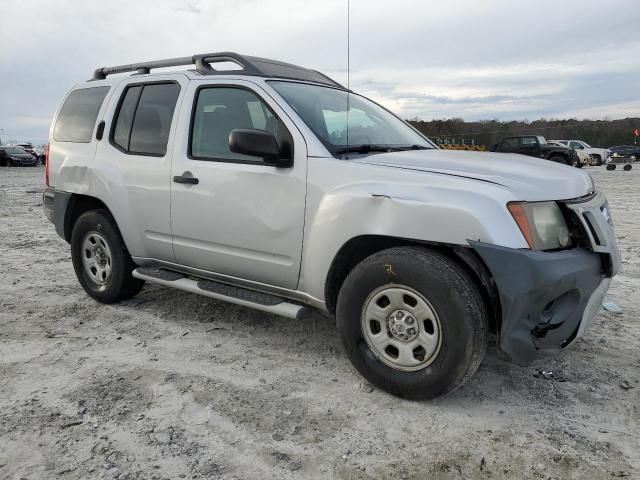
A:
205, 65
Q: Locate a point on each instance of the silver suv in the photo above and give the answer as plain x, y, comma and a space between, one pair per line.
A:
271, 186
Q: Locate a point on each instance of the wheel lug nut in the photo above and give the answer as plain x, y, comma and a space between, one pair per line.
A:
400, 315
411, 331
409, 320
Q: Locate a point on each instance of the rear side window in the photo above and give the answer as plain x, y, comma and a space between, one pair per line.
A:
509, 144
143, 119
78, 115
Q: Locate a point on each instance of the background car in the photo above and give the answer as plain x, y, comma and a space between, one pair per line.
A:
16, 156
583, 157
599, 155
629, 151
537, 146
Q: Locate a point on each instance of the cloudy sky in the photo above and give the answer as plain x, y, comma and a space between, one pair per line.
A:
475, 59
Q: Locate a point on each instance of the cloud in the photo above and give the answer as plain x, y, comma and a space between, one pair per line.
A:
462, 58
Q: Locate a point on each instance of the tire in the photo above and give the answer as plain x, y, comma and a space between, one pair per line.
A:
458, 311
627, 167
598, 159
96, 239
611, 167
559, 159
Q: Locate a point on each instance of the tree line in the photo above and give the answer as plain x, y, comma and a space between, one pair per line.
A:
597, 133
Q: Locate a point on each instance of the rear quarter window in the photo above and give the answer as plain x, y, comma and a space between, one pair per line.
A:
78, 115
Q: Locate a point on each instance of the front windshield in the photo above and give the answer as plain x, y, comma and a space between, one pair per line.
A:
542, 140
14, 150
324, 110
585, 145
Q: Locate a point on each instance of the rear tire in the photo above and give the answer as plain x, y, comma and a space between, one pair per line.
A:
101, 260
559, 159
411, 279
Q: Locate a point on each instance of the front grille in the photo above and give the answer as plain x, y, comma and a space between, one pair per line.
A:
591, 227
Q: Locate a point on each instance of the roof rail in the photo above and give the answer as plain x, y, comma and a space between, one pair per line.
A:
254, 66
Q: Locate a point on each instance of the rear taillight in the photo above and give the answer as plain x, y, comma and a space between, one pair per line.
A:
46, 164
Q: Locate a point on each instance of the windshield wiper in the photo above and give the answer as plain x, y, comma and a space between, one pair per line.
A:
366, 148
413, 147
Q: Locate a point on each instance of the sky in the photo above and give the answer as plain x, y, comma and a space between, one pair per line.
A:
426, 59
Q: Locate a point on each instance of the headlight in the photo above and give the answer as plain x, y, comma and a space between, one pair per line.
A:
541, 223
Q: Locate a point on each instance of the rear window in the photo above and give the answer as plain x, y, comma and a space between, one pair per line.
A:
143, 120
78, 115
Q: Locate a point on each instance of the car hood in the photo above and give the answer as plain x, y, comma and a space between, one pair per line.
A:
530, 179
25, 156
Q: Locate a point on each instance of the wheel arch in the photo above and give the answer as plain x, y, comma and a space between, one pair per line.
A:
558, 153
77, 205
358, 248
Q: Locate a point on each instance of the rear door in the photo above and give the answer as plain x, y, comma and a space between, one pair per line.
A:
243, 218
135, 157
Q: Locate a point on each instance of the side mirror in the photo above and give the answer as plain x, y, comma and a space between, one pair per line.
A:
258, 143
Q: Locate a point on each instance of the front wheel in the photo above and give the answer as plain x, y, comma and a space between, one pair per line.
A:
100, 258
412, 322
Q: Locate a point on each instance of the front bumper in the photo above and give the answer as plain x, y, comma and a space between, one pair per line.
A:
25, 162
549, 299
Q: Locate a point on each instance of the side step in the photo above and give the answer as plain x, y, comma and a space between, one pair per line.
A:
220, 291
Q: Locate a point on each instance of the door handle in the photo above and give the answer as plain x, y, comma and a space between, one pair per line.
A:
186, 178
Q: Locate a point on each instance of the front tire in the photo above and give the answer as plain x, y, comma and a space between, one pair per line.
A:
101, 260
425, 333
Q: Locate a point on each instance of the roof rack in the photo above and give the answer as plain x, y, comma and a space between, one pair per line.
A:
254, 66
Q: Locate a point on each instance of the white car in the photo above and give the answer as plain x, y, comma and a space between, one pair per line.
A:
599, 155
273, 187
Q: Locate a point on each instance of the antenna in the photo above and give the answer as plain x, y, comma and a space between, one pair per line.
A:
348, 67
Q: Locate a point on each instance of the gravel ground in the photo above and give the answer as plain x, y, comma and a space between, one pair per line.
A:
173, 385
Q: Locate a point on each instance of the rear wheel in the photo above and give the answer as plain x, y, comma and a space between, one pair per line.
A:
559, 159
100, 258
412, 322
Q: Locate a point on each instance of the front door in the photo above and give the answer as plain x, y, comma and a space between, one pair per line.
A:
242, 218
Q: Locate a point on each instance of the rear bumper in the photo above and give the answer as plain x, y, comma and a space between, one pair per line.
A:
25, 162
55, 205
48, 201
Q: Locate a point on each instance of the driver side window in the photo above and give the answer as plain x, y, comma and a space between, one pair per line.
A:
217, 111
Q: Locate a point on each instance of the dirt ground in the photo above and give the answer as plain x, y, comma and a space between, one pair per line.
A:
173, 385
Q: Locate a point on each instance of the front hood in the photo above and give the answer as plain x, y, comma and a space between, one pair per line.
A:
22, 156
531, 179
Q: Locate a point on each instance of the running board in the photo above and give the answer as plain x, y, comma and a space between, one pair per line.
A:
220, 291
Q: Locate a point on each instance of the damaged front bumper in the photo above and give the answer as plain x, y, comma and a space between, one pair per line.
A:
549, 299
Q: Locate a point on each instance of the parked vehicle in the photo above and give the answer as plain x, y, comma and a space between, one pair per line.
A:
249, 186
599, 155
16, 157
537, 146
27, 147
631, 152
583, 157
